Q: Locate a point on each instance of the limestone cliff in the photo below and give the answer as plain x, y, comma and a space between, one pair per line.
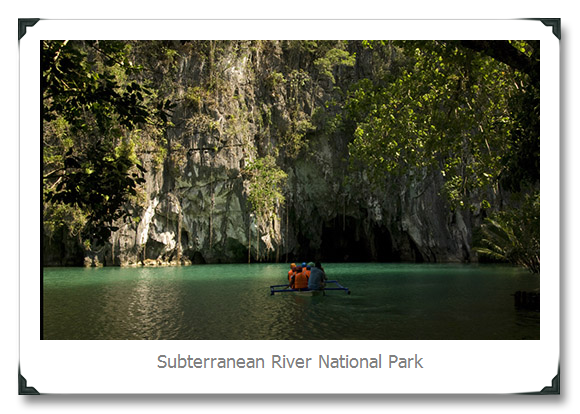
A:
237, 101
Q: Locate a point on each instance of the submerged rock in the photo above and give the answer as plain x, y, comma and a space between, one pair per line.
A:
527, 300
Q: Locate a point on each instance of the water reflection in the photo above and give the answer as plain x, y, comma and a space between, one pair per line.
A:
233, 302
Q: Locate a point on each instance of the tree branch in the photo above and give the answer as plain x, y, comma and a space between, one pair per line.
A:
504, 52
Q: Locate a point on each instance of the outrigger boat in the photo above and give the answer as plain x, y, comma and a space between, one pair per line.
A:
284, 288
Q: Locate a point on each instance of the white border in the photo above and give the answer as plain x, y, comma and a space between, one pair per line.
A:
130, 366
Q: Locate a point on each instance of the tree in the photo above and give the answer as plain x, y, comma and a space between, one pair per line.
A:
522, 164
93, 105
513, 235
465, 111
448, 110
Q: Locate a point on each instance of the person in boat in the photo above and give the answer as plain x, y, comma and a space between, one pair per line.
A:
299, 279
306, 268
317, 279
291, 271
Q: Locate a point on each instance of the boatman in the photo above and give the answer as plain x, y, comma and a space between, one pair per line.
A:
317, 279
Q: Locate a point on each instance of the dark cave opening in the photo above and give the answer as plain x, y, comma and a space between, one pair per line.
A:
350, 240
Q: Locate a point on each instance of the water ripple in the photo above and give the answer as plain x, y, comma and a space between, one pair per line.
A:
233, 302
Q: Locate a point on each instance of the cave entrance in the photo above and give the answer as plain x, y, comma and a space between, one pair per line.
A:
349, 240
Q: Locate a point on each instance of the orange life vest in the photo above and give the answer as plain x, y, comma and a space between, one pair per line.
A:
301, 280
291, 271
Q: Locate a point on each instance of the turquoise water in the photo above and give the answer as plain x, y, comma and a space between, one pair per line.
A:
388, 301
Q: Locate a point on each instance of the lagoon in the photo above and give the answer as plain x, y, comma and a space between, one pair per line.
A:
232, 302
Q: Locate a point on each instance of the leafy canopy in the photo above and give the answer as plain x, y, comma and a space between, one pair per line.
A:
93, 104
445, 109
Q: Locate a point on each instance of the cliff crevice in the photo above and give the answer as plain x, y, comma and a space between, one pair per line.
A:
237, 102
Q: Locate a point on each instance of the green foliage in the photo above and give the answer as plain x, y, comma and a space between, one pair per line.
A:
265, 183
195, 96
332, 59
295, 140
468, 112
275, 79
63, 217
94, 109
514, 235
75, 83
447, 110
98, 183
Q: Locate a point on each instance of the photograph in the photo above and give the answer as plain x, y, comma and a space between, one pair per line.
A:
218, 207
335, 190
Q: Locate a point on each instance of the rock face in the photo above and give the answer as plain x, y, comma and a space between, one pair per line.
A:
237, 105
